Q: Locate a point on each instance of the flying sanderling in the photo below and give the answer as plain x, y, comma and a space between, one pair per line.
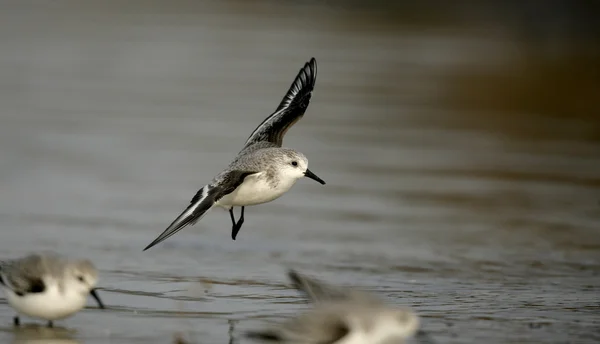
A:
262, 170
341, 316
48, 286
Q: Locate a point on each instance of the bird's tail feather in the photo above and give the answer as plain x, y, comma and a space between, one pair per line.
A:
200, 204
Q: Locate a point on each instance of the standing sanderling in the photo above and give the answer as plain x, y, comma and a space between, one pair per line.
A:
262, 170
341, 316
48, 286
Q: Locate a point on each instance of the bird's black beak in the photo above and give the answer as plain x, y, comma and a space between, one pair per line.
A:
313, 176
97, 298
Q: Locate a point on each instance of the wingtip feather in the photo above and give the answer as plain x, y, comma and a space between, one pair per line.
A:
300, 91
294, 277
199, 205
303, 283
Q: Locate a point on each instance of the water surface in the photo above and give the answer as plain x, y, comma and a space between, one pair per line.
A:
113, 115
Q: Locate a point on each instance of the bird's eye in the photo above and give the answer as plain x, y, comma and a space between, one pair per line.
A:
80, 278
294, 163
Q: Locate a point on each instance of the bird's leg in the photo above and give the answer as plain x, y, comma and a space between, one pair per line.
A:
232, 216
16, 321
50, 324
231, 329
236, 225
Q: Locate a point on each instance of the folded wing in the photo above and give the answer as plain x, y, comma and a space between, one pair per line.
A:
22, 276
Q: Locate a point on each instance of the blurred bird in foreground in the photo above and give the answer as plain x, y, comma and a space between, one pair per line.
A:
341, 316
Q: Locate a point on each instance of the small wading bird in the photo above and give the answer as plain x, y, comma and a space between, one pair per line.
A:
341, 316
47, 286
263, 170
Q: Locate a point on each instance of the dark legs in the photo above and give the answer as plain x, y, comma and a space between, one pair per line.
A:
236, 225
231, 329
17, 322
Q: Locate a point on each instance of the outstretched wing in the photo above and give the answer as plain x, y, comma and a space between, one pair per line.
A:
204, 199
290, 110
317, 291
23, 276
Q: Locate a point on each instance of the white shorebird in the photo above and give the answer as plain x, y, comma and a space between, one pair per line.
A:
341, 316
47, 286
263, 170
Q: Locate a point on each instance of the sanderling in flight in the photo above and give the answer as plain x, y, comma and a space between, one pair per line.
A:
263, 170
341, 316
47, 286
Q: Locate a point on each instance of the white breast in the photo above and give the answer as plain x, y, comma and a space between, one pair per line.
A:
355, 336
385, 330
256, 189
52, 304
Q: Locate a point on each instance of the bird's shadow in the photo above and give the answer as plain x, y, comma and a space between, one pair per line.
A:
39, 333
179, 338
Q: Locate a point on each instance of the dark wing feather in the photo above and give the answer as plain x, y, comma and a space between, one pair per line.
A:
290, 110
204, 199
229, 181
299, 92
23, 276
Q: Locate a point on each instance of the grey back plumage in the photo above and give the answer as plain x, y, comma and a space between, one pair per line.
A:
260, 160
24, 275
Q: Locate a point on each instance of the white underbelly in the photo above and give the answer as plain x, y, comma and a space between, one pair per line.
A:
50, 305
254, 190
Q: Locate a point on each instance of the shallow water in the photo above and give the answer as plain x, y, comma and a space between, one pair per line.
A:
113, 115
